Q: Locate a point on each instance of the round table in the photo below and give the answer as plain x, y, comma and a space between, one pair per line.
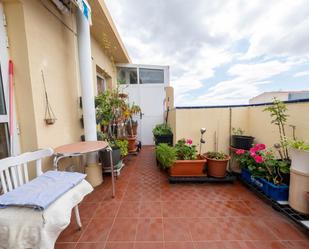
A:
82, 148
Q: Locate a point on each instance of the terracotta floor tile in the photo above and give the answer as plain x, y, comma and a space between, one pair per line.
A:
149, 229
124, 229
179, 245
129, 209
72, 233
225, 245
107, 209
150, 209
119, 245
97, 230
100, 245
303, 244
176, 229
88, 209
149, 245
65, 245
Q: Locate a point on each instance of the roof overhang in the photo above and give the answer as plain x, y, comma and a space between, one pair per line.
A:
104, 31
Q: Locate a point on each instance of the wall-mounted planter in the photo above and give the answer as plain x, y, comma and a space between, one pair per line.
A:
167, 139
188, 168
242, 142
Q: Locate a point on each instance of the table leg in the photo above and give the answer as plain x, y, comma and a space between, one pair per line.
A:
112, 170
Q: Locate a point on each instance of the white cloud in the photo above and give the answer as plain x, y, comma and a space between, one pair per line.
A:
302, 74
196, 38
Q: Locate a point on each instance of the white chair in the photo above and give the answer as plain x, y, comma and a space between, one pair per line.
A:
14, 172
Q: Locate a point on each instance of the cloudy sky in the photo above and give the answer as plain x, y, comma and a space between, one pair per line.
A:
222, 51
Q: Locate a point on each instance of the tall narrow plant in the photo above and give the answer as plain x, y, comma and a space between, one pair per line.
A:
278, 113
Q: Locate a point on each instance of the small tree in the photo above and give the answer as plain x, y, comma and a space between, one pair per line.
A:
279, 117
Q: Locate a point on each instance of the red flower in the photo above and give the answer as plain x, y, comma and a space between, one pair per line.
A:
258, 159
253, 152
259, 147
189, 141
240, 152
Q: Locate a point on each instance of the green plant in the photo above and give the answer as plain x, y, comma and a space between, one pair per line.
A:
166, 155
186, 150
262, 163
123, 146
279, 117
216, 155
238, 131
162, 129
298, 144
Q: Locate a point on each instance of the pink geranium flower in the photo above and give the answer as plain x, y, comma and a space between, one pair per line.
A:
259, 147
258, 159
240, 152
189, 141
253, 151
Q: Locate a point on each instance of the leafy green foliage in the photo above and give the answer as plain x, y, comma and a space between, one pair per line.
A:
278, 113
162, 129
123, 146
299, 145
185, 150
216, 155
166, 155
238, 131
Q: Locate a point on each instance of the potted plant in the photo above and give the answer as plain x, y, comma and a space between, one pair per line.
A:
163, 134
299, 177
241, 141
181, 160
266, 171
216, 164
131, 125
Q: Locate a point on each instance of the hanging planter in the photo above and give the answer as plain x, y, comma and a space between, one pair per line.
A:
50, 117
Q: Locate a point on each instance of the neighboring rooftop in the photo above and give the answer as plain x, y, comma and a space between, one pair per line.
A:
267, 97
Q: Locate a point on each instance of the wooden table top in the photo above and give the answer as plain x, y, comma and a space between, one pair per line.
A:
81, 147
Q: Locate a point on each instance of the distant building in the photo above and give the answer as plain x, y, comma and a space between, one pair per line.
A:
281, 95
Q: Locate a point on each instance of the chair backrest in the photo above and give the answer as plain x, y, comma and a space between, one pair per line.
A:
14, 170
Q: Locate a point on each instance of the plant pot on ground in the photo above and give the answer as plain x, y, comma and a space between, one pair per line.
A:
240, 141
131, 143
163, 134
181, 160
216, 164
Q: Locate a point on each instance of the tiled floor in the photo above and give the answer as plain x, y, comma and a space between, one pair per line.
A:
149, 213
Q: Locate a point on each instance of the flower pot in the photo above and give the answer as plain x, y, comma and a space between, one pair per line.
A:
167, 139
188, 167
242, 142
217, 168
246, 175
131, 143
94, 174
276, 192
298, 194
105, 157
300, 160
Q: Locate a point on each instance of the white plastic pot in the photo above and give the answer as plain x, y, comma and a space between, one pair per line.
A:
300, 160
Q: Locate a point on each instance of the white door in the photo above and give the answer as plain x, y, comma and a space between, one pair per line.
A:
145, 86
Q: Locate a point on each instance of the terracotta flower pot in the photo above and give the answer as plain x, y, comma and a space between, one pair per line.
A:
131, 143
188, 167
217, 168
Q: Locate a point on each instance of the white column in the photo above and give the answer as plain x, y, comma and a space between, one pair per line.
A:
86, 80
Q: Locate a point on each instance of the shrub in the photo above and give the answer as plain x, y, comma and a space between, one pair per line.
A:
299, 145
166, 155
162, 129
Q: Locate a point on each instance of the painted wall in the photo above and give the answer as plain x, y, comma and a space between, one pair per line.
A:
41, 38
186, 123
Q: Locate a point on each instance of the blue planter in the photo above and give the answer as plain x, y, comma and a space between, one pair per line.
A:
246, 175
275, 192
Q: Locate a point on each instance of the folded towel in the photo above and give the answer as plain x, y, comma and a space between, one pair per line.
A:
42, 191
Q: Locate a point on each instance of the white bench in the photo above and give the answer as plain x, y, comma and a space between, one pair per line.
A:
14, 173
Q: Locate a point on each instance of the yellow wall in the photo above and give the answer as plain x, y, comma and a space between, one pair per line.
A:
186, 123
41, 40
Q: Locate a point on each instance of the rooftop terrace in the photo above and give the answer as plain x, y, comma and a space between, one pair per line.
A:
150, 213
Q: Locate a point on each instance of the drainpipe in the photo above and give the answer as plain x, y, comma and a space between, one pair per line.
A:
86, 80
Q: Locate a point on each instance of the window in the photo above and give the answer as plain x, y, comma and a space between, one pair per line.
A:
126, 75
101, 84
4, 143
2, 101
151, 76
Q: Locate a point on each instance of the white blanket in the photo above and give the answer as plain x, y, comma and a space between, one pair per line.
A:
22, 228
